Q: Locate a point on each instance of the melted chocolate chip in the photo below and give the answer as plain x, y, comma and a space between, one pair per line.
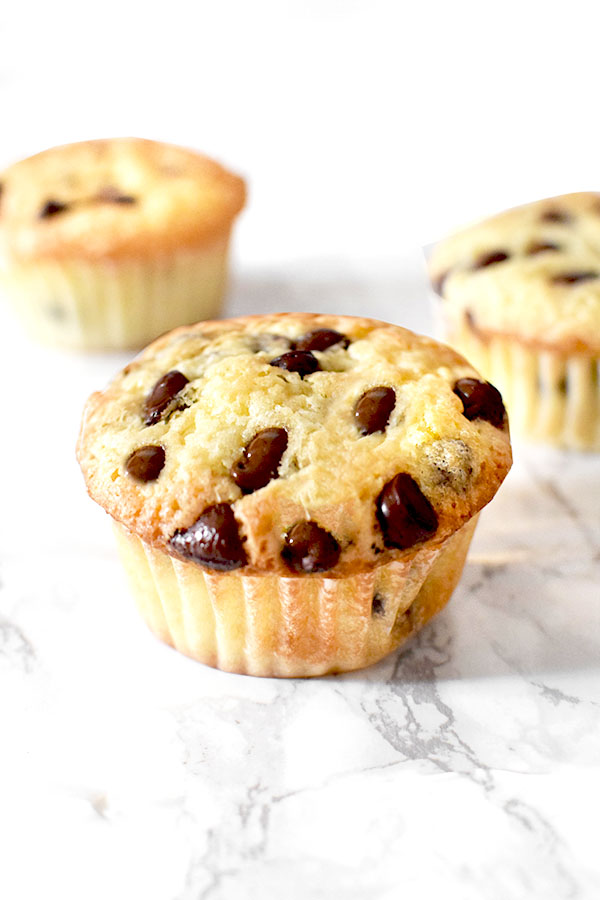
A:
260, 459
309, 548
212, 540
480, 400
52, 208
373, 409
146, 463
404, 513
378, 605
490, 259
161, 395
112, 194
556, 215
321, 339
574, 277
300, 361
540, 247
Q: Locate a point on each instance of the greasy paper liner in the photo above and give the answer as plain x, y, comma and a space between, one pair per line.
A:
550, 397
290, 626
116, 304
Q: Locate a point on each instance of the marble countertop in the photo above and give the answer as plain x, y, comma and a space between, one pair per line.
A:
467, 766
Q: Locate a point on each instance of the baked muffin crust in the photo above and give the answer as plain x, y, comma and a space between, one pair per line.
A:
122, 197
531, 273
330, 472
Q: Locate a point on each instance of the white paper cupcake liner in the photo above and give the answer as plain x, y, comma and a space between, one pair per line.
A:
117, 304
290, 626
550, 396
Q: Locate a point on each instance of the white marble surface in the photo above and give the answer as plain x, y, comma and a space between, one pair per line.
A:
468, 767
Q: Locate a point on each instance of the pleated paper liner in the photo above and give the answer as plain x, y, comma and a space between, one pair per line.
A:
550, 396
117, 304
293, 626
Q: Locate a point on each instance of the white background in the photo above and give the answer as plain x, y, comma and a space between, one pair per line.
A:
363, 126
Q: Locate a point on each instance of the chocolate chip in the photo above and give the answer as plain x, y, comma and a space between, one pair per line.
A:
146, 463
112, 194
321, 339
260, 459
373, 409
555, 215
300, 361
161, 395
212, 540
404, 513
378, 605
574, 277
490, 259
309, 548
481, 400
540, 247
51, 208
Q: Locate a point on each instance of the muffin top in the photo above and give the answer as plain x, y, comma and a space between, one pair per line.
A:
532, 273
115, 198
294, 443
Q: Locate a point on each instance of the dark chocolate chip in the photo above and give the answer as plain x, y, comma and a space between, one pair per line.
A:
540, 247
490, 259
556, 215
574, 277
321, 339
480, 400
378, 605
212, 540
161, 395
310, 548
146, 463
300, 361
404, 513
51, 208
260, 460
112, 194
373, 409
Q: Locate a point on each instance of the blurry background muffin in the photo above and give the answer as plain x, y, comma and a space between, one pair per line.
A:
521, 299
106, 244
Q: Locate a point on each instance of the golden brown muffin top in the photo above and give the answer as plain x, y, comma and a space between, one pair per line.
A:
531, 273
121, 197
294, 443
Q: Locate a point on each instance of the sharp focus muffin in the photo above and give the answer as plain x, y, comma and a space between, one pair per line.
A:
521, 300
295, 494
106, 244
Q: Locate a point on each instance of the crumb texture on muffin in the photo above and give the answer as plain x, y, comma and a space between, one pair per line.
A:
532, 273
226, 444
115, 198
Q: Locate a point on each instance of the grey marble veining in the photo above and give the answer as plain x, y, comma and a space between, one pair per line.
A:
467, 766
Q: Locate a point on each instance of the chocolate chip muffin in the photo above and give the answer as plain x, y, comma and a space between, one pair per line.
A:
521, 299
106, 244
295, 494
